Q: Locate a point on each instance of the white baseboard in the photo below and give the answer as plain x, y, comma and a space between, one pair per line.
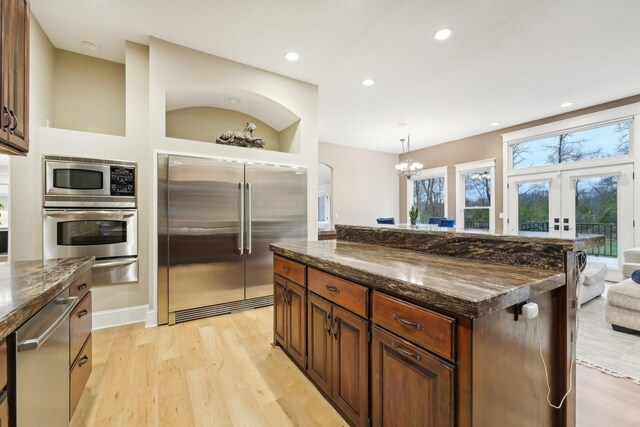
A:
152, 319
119, 316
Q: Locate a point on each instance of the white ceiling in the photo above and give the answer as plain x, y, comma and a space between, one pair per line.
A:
509, 61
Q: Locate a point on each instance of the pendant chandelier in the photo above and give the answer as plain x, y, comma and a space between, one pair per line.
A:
408, 168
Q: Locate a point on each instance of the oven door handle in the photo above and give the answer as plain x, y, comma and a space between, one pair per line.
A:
108, 214
103, 264
34, 343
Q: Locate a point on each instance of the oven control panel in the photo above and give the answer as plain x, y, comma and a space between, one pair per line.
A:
123, 181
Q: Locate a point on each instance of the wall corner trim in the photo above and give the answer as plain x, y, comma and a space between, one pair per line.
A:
120, 316
152, 319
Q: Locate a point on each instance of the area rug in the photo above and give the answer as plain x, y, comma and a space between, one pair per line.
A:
602, 348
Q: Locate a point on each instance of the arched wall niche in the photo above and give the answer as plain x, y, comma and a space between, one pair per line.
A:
202, 113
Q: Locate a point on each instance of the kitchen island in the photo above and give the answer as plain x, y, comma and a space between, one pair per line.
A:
26, 288
398, 326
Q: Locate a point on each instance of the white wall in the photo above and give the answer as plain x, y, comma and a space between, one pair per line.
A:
25, 235
365, 184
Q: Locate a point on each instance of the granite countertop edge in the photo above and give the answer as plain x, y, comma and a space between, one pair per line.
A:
12, 320
430, 297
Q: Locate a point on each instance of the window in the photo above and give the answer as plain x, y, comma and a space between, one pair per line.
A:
475, 196
608, 140
428, 192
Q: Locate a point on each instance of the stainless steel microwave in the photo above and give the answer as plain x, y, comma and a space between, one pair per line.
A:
74, 182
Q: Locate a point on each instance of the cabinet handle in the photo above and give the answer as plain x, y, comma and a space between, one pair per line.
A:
289, 293
335, 332
82, 361
284, 295
5, 115
406, 322
83, 286
83, 313
332, 289
405, 352
286, 269
14, 120
327, 324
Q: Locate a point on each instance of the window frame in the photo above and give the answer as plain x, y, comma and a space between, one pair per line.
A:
439, 172
626, 112
462, 170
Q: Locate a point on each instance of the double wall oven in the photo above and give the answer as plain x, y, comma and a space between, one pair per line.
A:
90, 210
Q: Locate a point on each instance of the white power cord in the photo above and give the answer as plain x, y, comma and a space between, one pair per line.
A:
574, 341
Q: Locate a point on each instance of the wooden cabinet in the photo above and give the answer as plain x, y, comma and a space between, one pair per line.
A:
289, 323
80, 325
410, 387
425, 327
79, 375
14, 70
339, 357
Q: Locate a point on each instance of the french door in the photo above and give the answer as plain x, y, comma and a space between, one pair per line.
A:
573, 202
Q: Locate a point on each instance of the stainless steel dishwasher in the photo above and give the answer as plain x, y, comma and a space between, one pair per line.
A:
42, 365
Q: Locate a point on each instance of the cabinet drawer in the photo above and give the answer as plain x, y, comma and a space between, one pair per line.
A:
80, 375
81, 286
79, 327
347, 294
289, 269
424, 327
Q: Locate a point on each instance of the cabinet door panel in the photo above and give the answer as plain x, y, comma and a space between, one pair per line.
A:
296, 323
20, 72
5, 22
279, 311
411, 387
350, 365
319, 342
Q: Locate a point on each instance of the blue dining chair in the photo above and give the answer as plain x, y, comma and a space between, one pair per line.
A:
386, 220
449, 223
435, 221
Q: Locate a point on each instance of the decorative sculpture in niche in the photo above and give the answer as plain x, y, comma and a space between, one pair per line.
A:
241, 139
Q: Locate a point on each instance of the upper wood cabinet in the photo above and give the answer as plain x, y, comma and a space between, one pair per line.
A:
14, 70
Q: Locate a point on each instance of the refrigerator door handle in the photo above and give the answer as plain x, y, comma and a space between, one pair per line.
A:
249, 219
241, 218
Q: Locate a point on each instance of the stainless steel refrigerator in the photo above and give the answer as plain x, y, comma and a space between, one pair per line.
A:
216, 219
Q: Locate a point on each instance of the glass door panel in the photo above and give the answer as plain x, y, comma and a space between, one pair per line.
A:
600, 201
534, 205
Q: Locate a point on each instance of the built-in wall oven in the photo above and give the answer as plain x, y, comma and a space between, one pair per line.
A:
90, 210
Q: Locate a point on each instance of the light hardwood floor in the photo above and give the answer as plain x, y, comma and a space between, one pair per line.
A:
222, 371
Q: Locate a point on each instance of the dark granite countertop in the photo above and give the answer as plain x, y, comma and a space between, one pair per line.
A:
466, 287
326, 232
27, 286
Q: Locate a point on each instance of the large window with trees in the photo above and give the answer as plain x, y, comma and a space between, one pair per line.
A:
475, 189
428, 193
597, 142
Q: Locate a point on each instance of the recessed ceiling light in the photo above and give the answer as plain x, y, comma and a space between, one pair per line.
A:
235, 100
88, 44
292, 56
443, 34
402, 124
367, 82
496, 123
566, 104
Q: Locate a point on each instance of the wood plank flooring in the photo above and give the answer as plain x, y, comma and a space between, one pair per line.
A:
222, 371
603, 400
